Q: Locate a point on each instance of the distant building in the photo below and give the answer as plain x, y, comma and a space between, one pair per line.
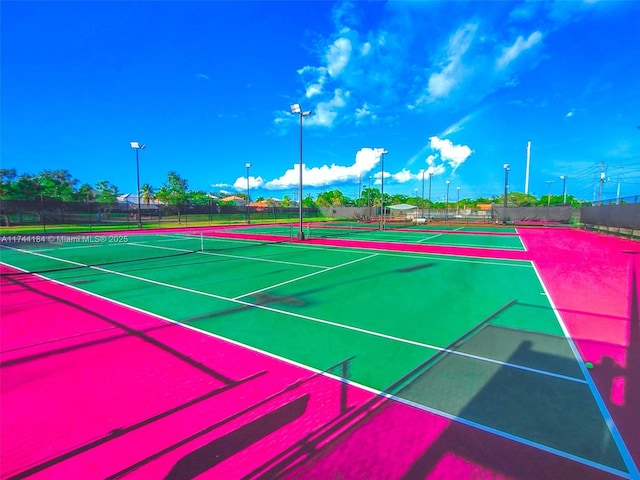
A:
238, 201
130, 202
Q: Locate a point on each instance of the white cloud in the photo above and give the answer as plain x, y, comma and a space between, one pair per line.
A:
338, 56
314, 79
525, 11
452, 155
254, 182
403, 176
509, 54
570, 113
365, 161
457, 126
453, 72
364, 112
326, 112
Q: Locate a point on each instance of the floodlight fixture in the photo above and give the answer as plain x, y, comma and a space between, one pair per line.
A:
295, 108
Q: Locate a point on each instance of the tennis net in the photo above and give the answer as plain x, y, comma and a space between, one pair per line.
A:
43, 254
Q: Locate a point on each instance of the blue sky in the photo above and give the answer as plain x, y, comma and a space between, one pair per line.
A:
452, 89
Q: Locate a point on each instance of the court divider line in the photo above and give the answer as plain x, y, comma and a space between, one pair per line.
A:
613, 429
381, 393
313, 319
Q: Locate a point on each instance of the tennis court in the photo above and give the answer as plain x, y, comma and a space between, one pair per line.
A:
474, 340
457, 236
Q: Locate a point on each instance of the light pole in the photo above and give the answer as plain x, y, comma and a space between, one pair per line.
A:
423, 193
458, 203
137, 146
506, 183
248, 165
564, 188
506, 190
446, 208
295, 108
429, 214
369, 197
383, 152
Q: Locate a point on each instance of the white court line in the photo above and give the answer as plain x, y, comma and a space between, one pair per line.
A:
305, 276
429, 238
381, 393
313, 319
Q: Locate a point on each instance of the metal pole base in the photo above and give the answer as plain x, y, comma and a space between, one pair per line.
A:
300, 235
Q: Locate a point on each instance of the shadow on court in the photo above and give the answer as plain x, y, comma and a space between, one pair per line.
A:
512, 423
620, 380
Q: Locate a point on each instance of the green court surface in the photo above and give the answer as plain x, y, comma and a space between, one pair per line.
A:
506, 240
473, 339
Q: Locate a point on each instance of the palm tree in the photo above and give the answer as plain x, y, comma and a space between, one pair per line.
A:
147, 193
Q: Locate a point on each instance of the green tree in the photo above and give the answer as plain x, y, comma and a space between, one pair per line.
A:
331, 198
199, 197
107, 192
174, 192
286, 202
398, 199
147, 193
27, 187
308, 202
7, 178
84, 193
371, 196
57, 184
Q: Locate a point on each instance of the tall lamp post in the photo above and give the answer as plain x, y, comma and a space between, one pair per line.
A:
248, 165
423, 193
383, 152
446, 211
458, 203
369, 197
429, 214
296, 109
137, 146
506, 190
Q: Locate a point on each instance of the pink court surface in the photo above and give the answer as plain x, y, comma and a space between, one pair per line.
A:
94, 389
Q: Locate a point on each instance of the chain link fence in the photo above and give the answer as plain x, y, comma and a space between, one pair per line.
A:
48, 213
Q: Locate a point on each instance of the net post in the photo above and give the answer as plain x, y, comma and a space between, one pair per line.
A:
201, 243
